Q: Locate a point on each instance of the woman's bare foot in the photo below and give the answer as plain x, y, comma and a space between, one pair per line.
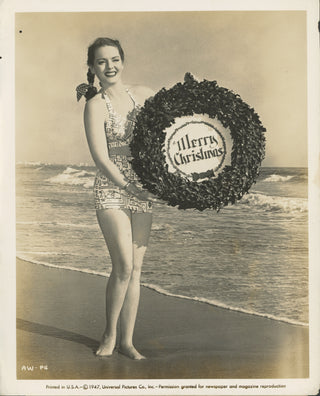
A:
131, 352
107, 346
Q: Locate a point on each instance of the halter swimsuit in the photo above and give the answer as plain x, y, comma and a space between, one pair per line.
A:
118, 132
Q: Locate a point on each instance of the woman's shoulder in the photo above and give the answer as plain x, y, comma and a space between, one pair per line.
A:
141, 93
95, 102
95, 106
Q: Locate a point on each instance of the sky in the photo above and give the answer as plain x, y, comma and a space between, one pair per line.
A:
261, 55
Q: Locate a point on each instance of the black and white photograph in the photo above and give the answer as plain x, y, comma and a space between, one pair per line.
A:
161, 198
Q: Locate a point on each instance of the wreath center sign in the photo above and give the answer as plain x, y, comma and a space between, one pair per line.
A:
196, 148
197, 145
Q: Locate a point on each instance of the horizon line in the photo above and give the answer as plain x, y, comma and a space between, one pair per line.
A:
93, 165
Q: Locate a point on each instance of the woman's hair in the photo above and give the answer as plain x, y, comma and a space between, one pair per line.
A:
99, 42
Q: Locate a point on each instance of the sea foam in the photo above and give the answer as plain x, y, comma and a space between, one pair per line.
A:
162, 291
33, 163
63, 267
59, 224
74, 177
220, 304
277, 178
275, 203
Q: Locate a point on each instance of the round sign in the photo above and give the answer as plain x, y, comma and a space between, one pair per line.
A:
197, 147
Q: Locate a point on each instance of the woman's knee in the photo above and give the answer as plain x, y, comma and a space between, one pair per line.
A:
138, 256
123, 270
136, 272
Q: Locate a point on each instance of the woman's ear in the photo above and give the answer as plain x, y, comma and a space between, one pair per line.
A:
91, 69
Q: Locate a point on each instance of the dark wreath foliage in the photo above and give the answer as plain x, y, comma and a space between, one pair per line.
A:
186, 99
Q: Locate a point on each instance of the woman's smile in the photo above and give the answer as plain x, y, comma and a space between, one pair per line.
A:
110, 73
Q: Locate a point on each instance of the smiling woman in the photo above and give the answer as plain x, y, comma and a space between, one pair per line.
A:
107, 64
123, 206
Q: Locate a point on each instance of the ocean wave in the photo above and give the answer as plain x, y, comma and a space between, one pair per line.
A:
64, 267
277, 178
57, 223
84, 165
162, 227
33, 163
74, 177
220, 304
162, 291
275, 203
40, 253
298, 177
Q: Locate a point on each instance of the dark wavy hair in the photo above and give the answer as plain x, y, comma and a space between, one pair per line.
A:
99, 42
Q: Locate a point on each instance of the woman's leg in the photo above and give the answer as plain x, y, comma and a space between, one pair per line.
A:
116, 228
141, 226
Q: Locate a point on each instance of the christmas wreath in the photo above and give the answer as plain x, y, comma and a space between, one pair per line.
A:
208, 189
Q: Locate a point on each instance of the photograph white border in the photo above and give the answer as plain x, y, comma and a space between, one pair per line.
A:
9, 385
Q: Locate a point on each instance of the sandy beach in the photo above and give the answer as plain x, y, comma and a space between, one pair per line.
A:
60, 319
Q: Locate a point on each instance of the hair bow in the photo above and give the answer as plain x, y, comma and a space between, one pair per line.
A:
82, 89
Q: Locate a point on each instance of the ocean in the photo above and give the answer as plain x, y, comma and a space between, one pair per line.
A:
250, 257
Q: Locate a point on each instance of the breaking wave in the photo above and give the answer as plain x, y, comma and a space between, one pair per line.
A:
275, 203
162, 291
277, 178
74, 177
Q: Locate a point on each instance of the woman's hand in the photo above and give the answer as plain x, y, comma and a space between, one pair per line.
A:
140, 193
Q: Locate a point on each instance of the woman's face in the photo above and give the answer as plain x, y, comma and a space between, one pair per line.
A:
107, 65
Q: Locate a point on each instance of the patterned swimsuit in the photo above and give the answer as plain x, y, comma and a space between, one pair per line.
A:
118, 132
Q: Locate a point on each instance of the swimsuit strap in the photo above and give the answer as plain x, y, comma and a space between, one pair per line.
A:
132, 97
108, 101
121, 126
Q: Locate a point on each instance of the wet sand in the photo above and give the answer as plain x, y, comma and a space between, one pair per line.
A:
60, 319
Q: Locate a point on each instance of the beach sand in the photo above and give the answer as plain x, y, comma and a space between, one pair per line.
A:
60, 319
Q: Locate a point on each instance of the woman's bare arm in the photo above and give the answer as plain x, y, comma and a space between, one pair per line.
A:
94, 118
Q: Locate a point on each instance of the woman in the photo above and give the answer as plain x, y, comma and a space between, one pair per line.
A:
123, 207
